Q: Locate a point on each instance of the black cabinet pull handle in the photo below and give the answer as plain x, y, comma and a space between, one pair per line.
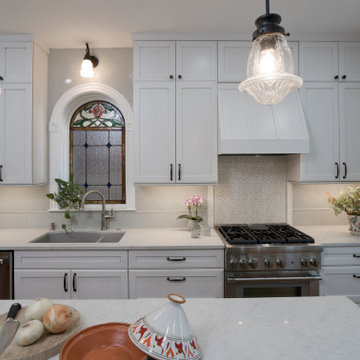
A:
176, 279
1, 78
179, 172
74, 283
356, 255
336, 77
179, 76
171, 76
343, 77
171, 172
66, 282
356, 276
176, 258
345, 170
337, 170
1, 175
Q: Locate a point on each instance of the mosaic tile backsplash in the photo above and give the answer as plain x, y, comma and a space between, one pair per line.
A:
251, 189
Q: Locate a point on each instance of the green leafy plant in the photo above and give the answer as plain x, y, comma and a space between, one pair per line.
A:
67, 198
348, 202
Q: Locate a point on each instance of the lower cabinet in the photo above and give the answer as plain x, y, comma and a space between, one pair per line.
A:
71, 275
191, 273
341, 272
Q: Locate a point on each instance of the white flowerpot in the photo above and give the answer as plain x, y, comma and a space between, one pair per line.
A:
354, 224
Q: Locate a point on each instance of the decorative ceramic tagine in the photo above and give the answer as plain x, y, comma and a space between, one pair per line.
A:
165, 333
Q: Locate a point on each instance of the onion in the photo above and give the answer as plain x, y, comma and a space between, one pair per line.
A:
57, 319
29, 332
37, 309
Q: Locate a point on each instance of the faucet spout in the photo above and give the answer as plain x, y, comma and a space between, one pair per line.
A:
104, 217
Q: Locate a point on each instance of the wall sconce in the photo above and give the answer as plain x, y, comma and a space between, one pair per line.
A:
89, 63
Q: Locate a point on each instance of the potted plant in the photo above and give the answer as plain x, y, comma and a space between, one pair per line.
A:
348, 202
193, 206
67, 198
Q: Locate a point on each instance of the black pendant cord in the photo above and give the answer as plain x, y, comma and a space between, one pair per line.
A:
267, 6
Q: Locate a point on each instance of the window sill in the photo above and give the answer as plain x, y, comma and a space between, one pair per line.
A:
94, 208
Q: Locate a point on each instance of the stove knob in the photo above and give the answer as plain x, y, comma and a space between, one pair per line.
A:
303, 262
252, 263
233, 261
243, 263
313, 262
268, 262
279, 262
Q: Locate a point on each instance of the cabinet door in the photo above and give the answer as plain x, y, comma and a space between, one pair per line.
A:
189, 283
99, 284
16, 62
320, 101
349, 131
318, 61
196, 60
349, 61
31, 284
196, 132
154, 112
232, 60
154, 60
16, 134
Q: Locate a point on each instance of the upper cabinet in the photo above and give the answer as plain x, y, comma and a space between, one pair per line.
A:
233, 57
329, 61
23, 108
175, 110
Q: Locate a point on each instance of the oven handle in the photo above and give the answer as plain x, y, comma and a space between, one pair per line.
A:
284, 278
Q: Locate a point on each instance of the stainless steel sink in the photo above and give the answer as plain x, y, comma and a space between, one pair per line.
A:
58, 237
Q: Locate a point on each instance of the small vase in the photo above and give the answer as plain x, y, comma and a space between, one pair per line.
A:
354, 224
193, 224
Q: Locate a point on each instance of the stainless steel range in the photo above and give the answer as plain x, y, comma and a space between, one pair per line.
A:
269, 260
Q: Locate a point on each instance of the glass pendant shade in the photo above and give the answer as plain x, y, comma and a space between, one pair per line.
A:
270, 70
87, 70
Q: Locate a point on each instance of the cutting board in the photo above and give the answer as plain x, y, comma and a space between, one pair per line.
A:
46, 347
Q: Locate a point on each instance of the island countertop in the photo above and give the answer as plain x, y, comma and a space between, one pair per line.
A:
259, 328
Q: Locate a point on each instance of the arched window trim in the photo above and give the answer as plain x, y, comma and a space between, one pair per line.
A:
59, 130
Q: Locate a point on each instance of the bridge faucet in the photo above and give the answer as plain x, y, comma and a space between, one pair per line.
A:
104, 217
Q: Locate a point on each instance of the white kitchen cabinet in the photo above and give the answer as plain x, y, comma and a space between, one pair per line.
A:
23, 112
192, 273
349, 61
154, 60
196, 60
318, 61
233, 58
332, 115
341, 272
15, 130
176, 115
154, 104
15, 62
71, 274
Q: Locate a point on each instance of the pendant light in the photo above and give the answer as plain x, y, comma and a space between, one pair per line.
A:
89, 63
270, 67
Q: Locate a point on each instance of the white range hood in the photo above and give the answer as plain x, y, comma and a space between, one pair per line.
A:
247, 127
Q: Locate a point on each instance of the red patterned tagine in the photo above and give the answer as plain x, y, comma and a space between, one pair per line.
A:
165, 333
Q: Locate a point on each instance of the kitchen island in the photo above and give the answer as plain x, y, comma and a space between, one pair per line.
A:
267, 328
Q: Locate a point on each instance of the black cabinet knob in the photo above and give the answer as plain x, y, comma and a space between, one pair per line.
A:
171, 76
336, 77
343, 77
1, 78
179, 77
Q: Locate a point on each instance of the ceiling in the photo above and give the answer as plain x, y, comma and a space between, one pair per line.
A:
110, 23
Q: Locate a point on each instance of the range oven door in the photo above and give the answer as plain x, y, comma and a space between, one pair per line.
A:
238, 285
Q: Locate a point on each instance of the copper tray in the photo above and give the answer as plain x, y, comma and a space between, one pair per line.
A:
104, 341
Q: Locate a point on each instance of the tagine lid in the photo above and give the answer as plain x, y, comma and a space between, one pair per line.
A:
166, 333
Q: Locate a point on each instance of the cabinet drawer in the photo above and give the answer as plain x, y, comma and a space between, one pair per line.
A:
188, 283
340, 281
70, 259
176, 259
338, 256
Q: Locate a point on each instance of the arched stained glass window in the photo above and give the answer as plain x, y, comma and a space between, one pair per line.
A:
97, 150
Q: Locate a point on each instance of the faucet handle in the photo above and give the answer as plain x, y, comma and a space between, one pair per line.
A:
111, 215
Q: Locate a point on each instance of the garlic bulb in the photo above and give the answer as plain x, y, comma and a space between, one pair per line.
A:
57, 319
37, 309
29, 332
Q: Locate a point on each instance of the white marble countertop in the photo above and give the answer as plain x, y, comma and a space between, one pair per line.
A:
331, 235
316, 328
139, 238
